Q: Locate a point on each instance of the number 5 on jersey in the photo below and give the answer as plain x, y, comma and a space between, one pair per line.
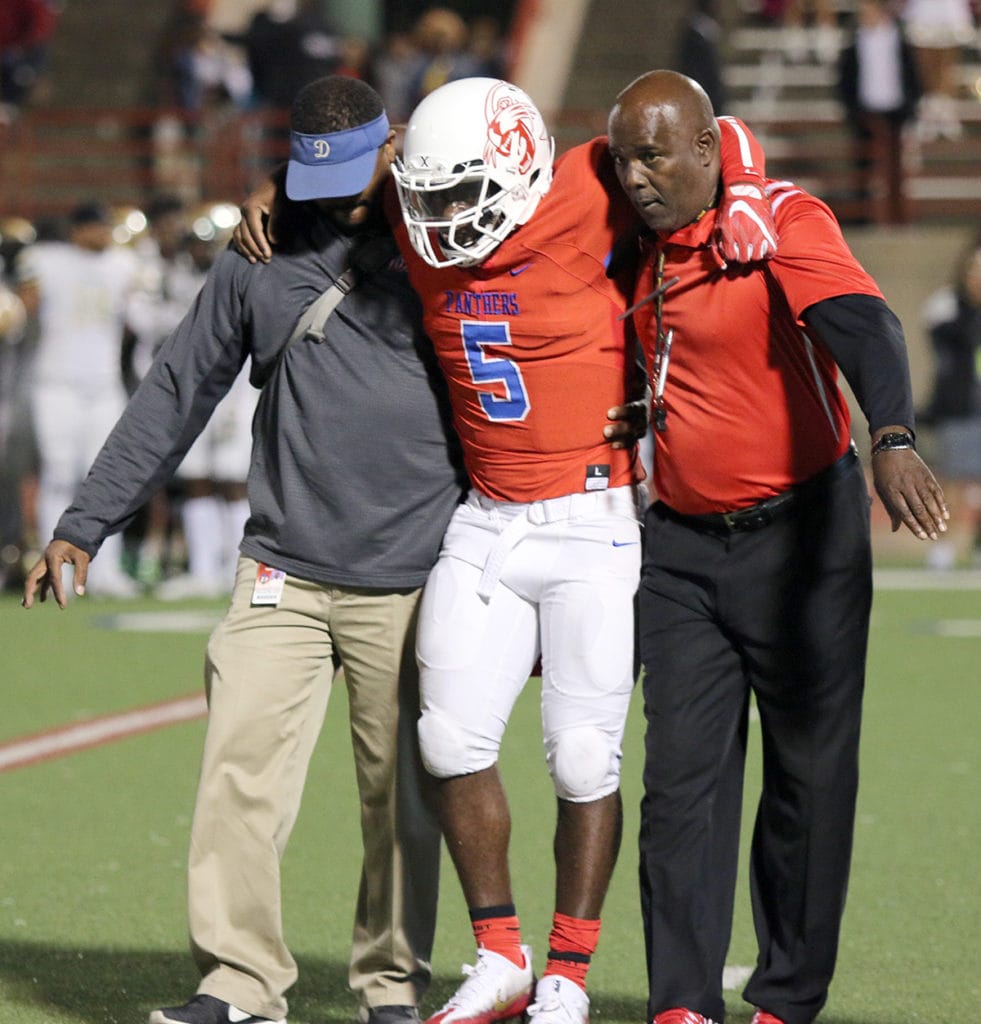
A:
485, 369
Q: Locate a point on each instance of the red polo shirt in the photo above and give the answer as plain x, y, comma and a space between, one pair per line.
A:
753, 405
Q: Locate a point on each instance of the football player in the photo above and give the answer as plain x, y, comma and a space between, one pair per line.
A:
511, 257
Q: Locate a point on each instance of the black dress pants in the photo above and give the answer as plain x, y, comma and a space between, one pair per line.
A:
781, 612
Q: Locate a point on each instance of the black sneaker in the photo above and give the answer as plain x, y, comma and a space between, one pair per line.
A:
390, 1015
207, 1010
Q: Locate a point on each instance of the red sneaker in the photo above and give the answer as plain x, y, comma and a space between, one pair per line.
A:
762, 1017
679, 1015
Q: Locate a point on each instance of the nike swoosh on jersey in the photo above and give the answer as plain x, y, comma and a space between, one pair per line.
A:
519, 270
624, 543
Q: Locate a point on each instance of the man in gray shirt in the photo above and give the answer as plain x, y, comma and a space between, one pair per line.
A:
353, 479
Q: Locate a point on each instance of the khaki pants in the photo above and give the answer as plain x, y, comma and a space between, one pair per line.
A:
269, 672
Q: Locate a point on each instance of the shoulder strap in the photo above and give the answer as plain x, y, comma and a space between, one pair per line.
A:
367, 258
315, 316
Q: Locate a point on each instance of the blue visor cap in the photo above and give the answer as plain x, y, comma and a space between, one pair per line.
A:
336, 164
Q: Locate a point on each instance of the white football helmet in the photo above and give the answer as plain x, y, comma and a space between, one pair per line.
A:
476, 161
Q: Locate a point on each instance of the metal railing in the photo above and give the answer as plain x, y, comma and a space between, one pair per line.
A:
51, 159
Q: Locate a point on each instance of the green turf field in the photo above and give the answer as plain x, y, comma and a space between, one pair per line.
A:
92, 924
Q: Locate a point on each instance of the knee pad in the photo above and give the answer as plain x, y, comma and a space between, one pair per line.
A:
584, 763
443, 746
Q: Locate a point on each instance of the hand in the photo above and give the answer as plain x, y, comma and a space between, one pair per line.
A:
46, 574
745, 231
630, 423
254, 233
910, 492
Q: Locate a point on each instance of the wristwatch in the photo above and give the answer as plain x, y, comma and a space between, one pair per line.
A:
893, 442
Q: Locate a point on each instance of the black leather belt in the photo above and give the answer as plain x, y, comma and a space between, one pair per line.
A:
757, 516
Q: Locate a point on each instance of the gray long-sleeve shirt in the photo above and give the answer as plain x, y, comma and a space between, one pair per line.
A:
355, 470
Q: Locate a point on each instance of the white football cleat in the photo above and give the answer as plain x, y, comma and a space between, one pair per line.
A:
559, 1000
495, 990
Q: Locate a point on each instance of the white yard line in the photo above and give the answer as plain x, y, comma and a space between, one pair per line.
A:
927, 579
69, 739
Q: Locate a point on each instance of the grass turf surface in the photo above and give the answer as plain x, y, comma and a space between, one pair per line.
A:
92, 915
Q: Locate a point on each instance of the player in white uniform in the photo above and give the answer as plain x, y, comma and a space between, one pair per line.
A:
78, 290
13, 320
214, 471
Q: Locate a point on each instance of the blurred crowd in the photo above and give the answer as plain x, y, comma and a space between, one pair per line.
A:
290, 42
26, 27
897, 56
280, 47
85, 302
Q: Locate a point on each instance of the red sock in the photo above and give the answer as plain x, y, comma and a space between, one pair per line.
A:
571, 945
497, 929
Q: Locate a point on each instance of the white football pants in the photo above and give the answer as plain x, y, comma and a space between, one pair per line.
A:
555, 579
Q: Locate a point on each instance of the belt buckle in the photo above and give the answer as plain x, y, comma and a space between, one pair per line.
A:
748, 519
729, 518
537, 513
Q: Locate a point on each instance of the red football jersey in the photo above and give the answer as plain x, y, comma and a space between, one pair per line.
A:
753, 405
530, 342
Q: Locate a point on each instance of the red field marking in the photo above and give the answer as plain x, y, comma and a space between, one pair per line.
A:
94, 732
